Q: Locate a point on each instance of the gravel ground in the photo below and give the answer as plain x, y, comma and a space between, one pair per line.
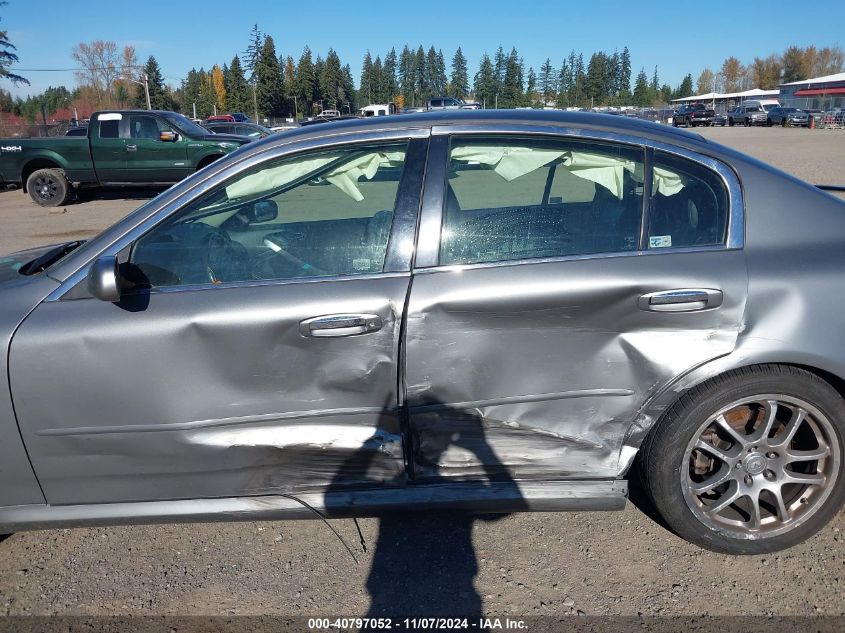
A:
529, 564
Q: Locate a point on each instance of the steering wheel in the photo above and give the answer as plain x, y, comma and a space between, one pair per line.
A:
299, 268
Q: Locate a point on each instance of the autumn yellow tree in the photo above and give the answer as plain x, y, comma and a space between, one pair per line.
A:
219, 85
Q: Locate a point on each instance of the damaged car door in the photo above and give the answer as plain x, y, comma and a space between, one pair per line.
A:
253, 349
565, 280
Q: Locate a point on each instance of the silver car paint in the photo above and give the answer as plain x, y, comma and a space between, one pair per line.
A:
794, 276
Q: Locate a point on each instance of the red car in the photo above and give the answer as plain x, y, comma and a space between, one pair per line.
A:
216, 118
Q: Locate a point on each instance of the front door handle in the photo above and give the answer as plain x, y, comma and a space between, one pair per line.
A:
131, 148
334, 325
681, 300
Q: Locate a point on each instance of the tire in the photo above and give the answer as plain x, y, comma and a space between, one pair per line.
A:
730, 122
768, 123
672, 465
674, 122
49, 187
690, 124
785, 123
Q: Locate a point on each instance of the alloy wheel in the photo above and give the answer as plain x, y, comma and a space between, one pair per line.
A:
760, 466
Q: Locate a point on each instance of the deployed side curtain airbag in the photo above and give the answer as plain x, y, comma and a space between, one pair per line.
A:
512, 162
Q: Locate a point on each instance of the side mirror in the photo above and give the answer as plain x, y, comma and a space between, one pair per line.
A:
262, 211
168, 136
103, 279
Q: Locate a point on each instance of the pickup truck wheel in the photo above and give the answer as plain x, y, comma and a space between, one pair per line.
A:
730, 122
49, 187
674, 123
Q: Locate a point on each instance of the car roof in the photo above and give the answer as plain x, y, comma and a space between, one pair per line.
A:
538, 118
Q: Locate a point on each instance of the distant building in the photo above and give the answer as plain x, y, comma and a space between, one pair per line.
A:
723, 101
822, 93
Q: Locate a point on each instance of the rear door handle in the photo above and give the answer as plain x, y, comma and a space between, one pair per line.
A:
131, 148
336, 325
681, 300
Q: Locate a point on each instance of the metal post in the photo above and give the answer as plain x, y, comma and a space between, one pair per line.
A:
147, 90
195, 109
255, 101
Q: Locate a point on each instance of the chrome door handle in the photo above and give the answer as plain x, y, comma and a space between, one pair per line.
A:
681, 300
334, 325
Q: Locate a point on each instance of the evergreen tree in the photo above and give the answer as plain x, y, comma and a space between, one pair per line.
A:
421, 85
625, 73
441, 81
238, 92
367, 80
348, 87
499, 65
642, 91
319, 69
564, 84
613, 69
269, 83
289, 88
305, 81
685, 89
512, 94
431, 72
484, 85
378, 82
547, 83
7, 58
579, 82
406, 76
655, 83
333, 84
597, 79
160, 99
391, 89
253, 52
459, 85
531, 89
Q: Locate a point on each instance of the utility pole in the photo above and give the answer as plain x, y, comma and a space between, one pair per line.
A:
146, 84
255, 100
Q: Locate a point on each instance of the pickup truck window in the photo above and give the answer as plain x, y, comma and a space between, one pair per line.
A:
145, 126
110, 129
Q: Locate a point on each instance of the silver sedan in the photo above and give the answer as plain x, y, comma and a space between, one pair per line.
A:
487, 311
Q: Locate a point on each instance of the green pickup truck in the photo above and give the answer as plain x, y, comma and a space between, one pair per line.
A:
123, 148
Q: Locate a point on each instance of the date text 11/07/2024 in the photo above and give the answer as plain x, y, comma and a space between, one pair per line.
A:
413, 624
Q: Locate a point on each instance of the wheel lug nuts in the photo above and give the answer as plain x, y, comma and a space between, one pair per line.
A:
748, 480
772, 455
769, 474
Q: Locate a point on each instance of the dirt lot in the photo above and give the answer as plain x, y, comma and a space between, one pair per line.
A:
540, 564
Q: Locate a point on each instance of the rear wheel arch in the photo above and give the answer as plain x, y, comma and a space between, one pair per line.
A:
34, 165
659, 456
653, 411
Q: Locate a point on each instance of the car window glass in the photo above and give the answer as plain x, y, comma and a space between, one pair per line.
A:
317, 214
110, 128
689, 204
142, 126
511, 199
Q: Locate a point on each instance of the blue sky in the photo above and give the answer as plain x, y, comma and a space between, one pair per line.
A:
185, 34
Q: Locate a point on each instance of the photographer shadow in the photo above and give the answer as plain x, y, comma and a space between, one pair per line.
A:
424, 563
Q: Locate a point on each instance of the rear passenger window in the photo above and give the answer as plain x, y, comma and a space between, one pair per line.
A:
511, 199
109, 129
689, 205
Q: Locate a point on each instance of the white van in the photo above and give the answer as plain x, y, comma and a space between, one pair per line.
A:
765, 104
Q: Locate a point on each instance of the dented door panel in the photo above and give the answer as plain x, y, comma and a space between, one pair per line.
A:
547, 364
210, 392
